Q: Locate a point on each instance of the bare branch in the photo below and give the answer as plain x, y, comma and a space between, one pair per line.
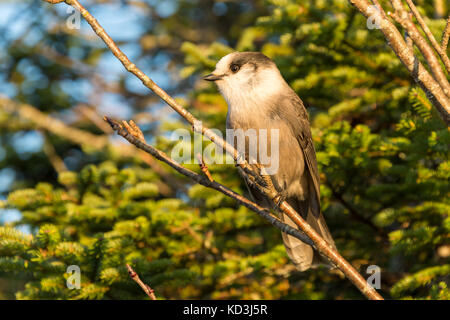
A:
403, 18
429, 35
204, 167
446, 36
419, 73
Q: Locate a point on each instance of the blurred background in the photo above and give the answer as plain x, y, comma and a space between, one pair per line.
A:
72, 193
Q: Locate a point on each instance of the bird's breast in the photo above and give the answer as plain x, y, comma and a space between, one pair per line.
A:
280, 145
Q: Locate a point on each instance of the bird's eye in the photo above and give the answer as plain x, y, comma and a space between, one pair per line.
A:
234, 68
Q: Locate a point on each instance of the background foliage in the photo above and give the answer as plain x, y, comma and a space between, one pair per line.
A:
382, 152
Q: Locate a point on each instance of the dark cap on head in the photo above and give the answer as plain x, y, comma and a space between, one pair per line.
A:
233, 62
255, 58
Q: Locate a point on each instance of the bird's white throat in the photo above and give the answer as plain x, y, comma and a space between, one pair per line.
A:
251, 95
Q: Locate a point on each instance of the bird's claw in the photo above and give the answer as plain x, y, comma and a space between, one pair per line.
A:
279, 198
251, 180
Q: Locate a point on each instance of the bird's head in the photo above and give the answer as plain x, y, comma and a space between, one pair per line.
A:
245, 75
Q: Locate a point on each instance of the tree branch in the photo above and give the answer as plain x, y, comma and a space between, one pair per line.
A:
404, 19
446, 36
133, 275
319, 243
53, 125
53, 158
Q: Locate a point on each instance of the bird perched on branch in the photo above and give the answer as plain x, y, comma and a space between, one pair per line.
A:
260, 100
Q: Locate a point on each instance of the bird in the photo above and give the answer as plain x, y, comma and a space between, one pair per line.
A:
258, 98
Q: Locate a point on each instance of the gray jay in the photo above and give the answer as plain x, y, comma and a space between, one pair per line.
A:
259, 98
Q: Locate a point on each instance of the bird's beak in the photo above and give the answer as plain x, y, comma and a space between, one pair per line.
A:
212, 77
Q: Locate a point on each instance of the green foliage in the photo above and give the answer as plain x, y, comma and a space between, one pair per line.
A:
105, 217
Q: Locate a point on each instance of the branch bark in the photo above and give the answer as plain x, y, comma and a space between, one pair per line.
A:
433, 89
319, 243
431, 38
446, 35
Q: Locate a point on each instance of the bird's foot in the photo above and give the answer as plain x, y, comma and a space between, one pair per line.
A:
280, 197
249, 178
253, 176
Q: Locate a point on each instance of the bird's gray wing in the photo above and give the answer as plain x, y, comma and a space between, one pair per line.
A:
292, 110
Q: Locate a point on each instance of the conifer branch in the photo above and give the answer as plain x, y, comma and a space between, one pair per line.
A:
319, 243
402, 17
147, 289
354, 213
434, 89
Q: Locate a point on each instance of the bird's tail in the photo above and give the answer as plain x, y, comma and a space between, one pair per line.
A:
301, 254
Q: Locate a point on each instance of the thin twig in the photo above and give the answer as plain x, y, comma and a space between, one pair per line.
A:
446, 36
319, 243
419, 73
403, 18
147, 289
